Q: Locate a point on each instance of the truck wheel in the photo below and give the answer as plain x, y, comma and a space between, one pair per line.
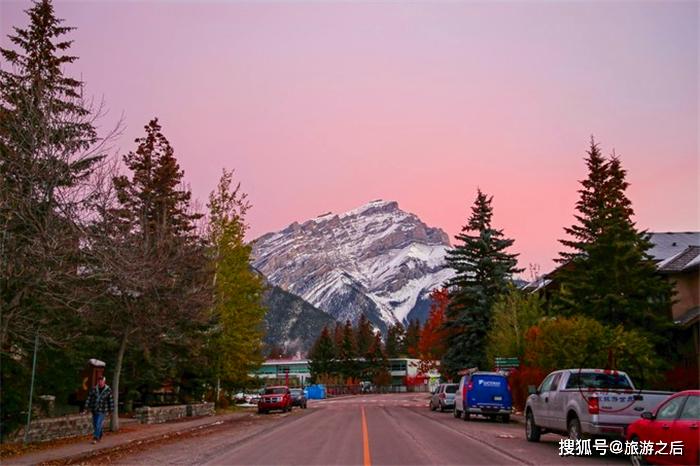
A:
532, 430
574, 429
467, 415
637, 459
505, 418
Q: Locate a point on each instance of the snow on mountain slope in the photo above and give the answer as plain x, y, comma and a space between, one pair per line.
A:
376, 259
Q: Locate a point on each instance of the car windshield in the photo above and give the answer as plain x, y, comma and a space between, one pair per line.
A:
615, 381
275, 391
451, 389
296, 391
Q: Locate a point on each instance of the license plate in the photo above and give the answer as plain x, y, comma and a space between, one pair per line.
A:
497, 398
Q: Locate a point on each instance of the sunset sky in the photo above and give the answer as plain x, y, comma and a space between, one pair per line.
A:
323, 106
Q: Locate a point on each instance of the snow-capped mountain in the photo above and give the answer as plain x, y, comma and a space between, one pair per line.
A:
376, 259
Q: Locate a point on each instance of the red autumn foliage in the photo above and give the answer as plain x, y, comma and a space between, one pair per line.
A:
433, 338
419, 379
519, 379
682, 378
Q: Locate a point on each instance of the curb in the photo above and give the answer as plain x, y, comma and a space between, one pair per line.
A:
80, 457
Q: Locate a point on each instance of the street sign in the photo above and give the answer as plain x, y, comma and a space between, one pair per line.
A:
507, 363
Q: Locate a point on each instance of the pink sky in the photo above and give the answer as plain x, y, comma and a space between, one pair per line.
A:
323, 106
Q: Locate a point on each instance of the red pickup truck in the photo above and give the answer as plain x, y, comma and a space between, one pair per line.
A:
278, 397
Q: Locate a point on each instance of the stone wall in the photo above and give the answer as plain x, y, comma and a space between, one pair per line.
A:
41, 430
156, 415
76, 425
200, 409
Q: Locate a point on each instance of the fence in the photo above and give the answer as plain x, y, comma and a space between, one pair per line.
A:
340, 390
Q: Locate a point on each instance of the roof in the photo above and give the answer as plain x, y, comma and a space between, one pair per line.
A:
669, 244
285, 361
687, 259
690, 316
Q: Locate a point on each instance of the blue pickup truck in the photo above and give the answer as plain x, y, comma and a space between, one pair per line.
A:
484, 393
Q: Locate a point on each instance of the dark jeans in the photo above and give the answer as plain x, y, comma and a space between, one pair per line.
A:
97, 420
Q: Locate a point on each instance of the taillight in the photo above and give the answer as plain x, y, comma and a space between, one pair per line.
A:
441, 395
593, 406
470, 385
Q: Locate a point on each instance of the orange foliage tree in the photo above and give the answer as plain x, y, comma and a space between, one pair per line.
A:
432, 343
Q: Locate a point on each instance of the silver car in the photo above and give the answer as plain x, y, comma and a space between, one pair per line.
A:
443, 397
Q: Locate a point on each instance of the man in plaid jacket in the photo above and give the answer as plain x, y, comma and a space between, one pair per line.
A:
100, 402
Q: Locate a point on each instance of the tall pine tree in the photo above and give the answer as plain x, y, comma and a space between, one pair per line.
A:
48, 149
412, 341
483, 269
364, 336
347, 353
154, 273
395, 344
607, 272
322, 356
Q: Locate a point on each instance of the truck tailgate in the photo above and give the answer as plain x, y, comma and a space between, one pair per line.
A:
625, 407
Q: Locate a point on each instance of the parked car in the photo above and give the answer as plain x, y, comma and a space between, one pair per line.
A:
676, 420
586, 402
443, 397
484, 393
278, 397
298, 398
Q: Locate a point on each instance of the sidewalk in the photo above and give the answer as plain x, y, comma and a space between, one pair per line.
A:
142, 433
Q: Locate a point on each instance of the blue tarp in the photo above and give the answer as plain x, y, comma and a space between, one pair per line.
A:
316, 392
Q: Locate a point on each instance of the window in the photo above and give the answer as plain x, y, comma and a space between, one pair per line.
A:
671, 409
398, 366
544, 386
275, 391
605, 380
555, 383
691, 410
451, 388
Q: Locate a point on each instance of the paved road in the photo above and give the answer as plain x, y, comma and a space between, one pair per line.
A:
364, 430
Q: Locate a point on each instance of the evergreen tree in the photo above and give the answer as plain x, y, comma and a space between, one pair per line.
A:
347, 353
322, 356
591, 206
44, 134
483, 269
395, 340
364, 335
377, 363
412, 340
609, 274
238, 313
48, 149
154, 273
338, 337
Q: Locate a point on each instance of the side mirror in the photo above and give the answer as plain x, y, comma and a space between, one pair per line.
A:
532, 390
649, 416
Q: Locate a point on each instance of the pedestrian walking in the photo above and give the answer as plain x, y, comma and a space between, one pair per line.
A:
100, 403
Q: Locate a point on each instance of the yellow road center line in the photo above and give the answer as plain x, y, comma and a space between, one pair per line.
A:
365, 440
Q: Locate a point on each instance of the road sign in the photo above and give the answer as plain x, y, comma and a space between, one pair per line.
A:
507, 363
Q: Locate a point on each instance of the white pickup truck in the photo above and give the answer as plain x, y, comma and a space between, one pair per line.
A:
586, 402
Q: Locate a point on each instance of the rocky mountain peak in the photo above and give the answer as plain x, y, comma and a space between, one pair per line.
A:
376, 259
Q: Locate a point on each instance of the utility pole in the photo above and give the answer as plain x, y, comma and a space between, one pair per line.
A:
31, 388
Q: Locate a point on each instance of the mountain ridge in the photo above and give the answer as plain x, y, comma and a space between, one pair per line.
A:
376, 260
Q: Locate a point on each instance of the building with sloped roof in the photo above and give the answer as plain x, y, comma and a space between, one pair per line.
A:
677, 257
